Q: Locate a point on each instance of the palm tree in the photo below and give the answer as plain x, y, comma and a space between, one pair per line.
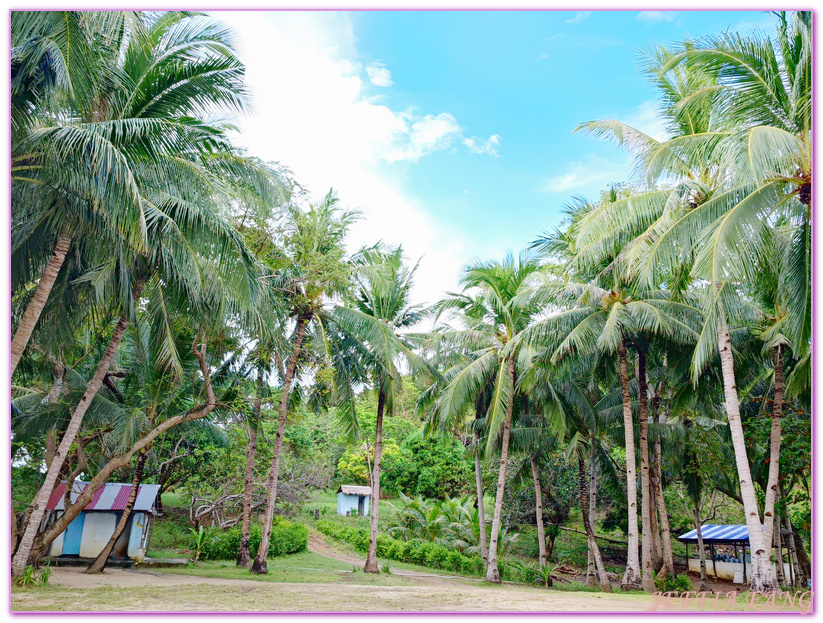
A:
377, 310
313, 245
149, 395
497, 357
755, 116
454, 355
99, 166
608, 321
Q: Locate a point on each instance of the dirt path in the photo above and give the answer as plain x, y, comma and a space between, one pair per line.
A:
320, 546
126, 590
73, 577
143, 590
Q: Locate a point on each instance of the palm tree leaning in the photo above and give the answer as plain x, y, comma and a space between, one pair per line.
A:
313, 246
148, 137
96, 158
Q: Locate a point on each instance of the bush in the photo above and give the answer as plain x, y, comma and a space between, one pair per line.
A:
414, 551
286, 538
679, 584
170, 532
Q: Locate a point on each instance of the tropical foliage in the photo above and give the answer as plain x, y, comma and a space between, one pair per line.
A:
185, 314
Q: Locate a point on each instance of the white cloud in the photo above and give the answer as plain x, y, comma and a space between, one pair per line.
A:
379, 75
579, 17
479, 146
646, 118
312, 115
653, 17
553, 37
591, 175
421, 136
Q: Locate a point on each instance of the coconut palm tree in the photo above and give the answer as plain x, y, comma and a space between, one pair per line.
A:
756, 119
150, 395
313, 246
378, 308
124, 142
508, 309
609, 321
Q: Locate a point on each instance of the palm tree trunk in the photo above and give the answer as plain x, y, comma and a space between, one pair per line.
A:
657, 547
774, 447
802, 556
591, 571
371, 558
632, 576
103, 557
538, 513
646, 507
778, 554
259, 565
704, 577
605, 585
665, 528
14, 534
493, 573
243, 555
481, 512
799, 573
762, 578
24, 550
39, 300
118, 462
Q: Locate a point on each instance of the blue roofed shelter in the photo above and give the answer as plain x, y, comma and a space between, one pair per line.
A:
733, 567
712, 535
353, 500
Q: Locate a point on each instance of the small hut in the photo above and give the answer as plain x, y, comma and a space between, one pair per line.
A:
88, 533
353, 499
735, 566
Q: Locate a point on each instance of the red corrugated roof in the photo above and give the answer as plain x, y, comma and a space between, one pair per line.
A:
97, 494
121, 498
56, 498
112, 496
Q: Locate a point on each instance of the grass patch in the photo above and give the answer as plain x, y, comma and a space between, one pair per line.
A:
302, 568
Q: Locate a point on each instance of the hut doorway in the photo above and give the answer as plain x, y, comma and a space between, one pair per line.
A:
74, 533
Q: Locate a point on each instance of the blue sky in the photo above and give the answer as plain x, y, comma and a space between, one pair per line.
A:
452, 130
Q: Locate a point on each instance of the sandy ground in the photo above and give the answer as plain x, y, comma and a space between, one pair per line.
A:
143, 590
121, 589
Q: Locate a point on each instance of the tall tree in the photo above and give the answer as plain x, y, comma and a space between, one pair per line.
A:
315, 270
377, 310
508, 309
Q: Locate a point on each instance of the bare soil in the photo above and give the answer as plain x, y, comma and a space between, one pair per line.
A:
128, 590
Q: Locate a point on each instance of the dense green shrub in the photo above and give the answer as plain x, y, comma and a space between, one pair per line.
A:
414, 551
286, 538
436, 468
679, 584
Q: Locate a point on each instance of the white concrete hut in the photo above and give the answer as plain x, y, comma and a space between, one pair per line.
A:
353, 499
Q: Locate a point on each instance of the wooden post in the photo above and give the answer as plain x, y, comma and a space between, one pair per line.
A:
687, 556
789, 549
745, 581
714, 567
